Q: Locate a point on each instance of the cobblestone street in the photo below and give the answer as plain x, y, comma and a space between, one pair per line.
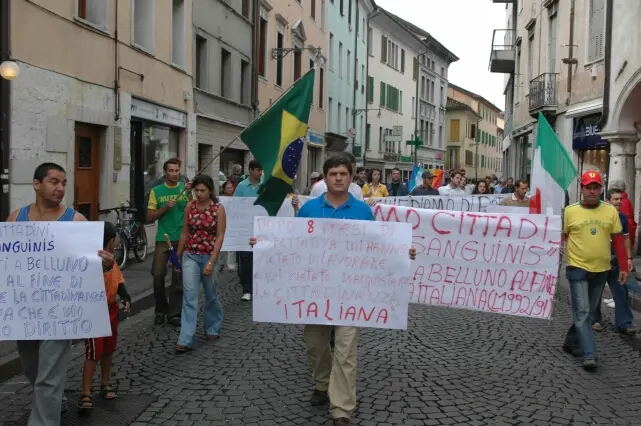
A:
450, 367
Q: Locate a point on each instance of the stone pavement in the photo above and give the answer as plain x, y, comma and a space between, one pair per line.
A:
450, 367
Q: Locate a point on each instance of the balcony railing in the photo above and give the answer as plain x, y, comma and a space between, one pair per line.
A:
542, 96
503, 54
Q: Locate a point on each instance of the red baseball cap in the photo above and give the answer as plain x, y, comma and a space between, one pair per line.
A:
591, 176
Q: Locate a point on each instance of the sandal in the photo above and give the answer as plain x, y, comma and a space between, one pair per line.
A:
180, 349
107, 392
85, 402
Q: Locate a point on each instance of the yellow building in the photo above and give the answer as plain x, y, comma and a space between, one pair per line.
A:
487, 152
462, 149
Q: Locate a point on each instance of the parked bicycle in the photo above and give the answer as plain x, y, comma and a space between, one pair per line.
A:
133, 236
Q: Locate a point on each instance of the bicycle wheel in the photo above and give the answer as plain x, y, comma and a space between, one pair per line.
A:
140, 243
121, 253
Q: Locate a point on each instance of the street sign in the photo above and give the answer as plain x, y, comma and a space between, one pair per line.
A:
415, 142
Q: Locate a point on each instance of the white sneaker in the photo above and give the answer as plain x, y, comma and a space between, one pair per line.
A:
231, 268
246, 297
608, 301
610, 304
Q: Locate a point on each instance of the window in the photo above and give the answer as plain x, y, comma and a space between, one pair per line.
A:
370, 40
143, 22
432, 91
442, 95
201, 62
178, 42
245, 82
403, 60
340, 118
415, 69
321, 87
596, 25
349, 11
94, 12
392, 101
440, 136
349, 60
262, 46
245, 9
298, 63
469, 158
341, 7
330, 111
322, 11
455, 127
390, 53
225, 73
340, 59
530, 59
362, 78
347, 121
363, 29
413, 106
280, 43
330, 59
368, 133
453, 158
312, 9
383, 89
424, 87
370, 89
472, 131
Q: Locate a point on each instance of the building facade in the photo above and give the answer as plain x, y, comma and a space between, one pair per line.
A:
461, 122
291, 41
106, 94
224, 71
488, 157
557, 70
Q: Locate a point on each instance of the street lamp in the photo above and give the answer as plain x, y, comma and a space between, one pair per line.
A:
9, 70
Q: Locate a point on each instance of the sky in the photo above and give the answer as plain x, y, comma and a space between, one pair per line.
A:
465, 28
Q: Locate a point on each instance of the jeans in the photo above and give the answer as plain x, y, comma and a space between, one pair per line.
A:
45, 366
193, 268
585, 290
172, 308
622, 311
246, 270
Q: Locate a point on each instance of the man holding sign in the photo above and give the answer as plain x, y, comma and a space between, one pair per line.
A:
45, 361
335, 377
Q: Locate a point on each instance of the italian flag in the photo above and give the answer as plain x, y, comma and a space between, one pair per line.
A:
552, 171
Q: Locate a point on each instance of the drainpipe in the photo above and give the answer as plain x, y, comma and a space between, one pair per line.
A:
370, 16
571, 53
5, 111
605, 111
255, 35
355, 73
116, 71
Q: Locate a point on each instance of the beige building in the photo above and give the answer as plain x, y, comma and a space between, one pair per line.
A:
461, 122
556, 68
105, 92
486, 147
292, 39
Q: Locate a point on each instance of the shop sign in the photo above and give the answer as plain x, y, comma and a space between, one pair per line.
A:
160, 114
587, 133
315, 139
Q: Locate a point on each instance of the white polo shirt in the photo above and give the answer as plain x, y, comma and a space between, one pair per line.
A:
321, 187
448, 190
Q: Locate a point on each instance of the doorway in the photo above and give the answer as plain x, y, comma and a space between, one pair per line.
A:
87, 171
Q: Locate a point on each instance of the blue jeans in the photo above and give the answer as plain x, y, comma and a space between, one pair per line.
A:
622, 311
633, 285
193, 268
586, 289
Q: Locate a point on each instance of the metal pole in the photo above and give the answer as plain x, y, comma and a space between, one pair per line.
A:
5, 110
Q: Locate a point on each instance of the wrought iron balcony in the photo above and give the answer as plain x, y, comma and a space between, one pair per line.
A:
542, 95
503, 54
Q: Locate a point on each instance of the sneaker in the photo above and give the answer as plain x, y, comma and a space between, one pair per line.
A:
175, 321
589, 364
231, 268
610, 304
159, 319
344, 421
319, 398
597, 326
627, 331
246, 297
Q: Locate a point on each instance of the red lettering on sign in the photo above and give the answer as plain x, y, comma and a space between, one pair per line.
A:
312, 310
521, 235
378, 212
437, 230
504, 227
327, 306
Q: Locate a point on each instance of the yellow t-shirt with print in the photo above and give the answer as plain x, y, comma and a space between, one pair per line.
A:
588, 232
381, 191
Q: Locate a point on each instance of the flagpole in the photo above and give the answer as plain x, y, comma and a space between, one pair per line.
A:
199, 172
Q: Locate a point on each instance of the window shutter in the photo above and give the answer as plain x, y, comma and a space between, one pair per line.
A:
383, 48
370, 89
597, 29
383, 88
415, 71
402, 60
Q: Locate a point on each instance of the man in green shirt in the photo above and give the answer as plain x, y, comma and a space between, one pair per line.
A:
167, 203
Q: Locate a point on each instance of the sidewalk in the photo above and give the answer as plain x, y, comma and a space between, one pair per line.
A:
140, 288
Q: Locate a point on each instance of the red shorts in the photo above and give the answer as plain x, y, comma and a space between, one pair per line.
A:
97, 347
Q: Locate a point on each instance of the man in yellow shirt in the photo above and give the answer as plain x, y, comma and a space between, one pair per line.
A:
590, 227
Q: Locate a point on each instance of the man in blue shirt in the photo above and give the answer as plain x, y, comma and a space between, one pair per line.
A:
248, 188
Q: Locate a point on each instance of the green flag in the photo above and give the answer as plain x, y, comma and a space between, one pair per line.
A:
276, 141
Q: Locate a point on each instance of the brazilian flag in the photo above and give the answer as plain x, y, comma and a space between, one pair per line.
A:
276, 139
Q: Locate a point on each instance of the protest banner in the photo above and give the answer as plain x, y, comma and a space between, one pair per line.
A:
332, 272
501, 263
464, 203
507, 209
51, 281
240, 213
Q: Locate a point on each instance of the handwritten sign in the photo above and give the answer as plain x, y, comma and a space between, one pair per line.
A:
240, 213
501, 263
332, 272
51, 281
465, 203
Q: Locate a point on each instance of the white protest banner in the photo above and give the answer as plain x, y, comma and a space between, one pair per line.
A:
482, 261
465, 203
507, 209
51, 281
240, 213
332, 272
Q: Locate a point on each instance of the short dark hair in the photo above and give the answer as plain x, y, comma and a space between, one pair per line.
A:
456, 172
396, 169
42, 170
109, 234
360, 169
174, 161
349, 156
254, 164
337, 161
208, 182
519, 182
611, 192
